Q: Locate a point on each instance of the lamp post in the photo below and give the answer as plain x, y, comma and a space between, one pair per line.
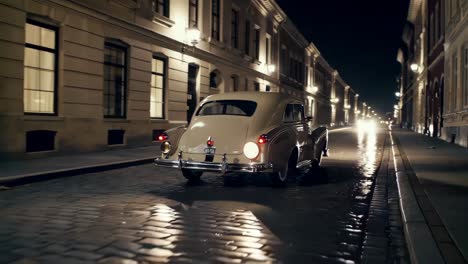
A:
192, 38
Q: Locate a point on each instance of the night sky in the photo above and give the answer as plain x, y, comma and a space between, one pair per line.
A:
359, 38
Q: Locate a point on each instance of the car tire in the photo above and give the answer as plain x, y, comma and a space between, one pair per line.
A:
192, 175
280, 178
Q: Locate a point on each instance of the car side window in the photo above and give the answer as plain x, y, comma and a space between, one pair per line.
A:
289, 113
293, 113
299, 112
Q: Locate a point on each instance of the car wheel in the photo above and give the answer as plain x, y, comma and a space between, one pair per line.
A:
280, 177
192, 175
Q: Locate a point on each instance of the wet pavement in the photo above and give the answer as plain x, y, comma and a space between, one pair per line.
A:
145, 214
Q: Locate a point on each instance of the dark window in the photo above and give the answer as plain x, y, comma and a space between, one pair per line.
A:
40, 69
215, 19
193, 13
235, 28
257, 43
228, 107
247, 37
256, 86
267, 50
214, 79
115, 75
268, 88
283, 62
158, 82
235, 83
40, 140
115, 137
161, 7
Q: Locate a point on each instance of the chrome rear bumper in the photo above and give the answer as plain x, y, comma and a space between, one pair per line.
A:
222, 167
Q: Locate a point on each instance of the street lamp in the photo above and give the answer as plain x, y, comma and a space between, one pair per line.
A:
271, 68
398, 94
414, 67
192, 38
335, 100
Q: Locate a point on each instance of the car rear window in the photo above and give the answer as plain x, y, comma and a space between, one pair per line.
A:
228, 107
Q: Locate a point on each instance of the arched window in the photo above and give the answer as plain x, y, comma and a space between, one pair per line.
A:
215, 79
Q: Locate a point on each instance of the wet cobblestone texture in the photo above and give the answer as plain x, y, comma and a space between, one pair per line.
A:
145, 214
384, 240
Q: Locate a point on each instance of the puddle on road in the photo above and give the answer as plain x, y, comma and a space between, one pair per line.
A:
353, 225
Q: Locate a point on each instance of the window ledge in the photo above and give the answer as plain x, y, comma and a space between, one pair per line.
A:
247, 58
42, 118
216, 43
162, 20
116, 120
154, 120
257, 62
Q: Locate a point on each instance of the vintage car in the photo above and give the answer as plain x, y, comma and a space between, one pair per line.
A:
245, 132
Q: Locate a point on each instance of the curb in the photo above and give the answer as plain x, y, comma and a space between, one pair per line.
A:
422, 246
48, 175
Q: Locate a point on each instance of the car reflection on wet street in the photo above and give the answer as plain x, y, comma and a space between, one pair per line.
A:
148, 214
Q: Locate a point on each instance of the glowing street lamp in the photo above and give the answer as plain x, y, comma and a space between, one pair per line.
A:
397, 94
414, 67
335, 100
271, 68
193, 36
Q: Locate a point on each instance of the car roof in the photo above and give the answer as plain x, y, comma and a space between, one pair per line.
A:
259, 97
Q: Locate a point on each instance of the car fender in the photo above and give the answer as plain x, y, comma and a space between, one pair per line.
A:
282, 142
175, 134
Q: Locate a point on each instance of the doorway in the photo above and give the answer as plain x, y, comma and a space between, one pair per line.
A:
192, 90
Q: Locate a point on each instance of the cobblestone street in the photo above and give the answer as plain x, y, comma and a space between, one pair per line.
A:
146, 214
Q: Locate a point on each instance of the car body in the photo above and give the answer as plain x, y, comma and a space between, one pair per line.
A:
247, 132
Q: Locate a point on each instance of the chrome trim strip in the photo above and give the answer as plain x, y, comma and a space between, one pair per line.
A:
214, 166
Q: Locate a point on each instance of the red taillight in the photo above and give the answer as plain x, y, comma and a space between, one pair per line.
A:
210, 143
262, 139
163, 137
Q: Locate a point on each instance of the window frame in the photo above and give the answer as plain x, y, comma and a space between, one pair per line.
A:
191, 22
125, 48
248, 27
166, 8
56, 62
164, 76
465, 75
234, 28
216, 34
256, 42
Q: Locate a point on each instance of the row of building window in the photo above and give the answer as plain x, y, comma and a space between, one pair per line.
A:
436, 29
40, 75
161, 7
455, 71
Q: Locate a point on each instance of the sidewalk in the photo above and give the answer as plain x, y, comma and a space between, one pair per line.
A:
19, 172
441, 190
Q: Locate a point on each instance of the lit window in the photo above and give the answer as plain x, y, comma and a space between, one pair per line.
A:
40, 69
115, 83
158, 80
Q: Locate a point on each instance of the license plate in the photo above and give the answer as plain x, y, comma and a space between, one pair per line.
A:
210, 151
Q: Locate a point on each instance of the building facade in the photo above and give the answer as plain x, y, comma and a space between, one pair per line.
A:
435, 74
87, 75
455, 116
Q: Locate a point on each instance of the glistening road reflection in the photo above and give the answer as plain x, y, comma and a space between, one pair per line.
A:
367, 147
